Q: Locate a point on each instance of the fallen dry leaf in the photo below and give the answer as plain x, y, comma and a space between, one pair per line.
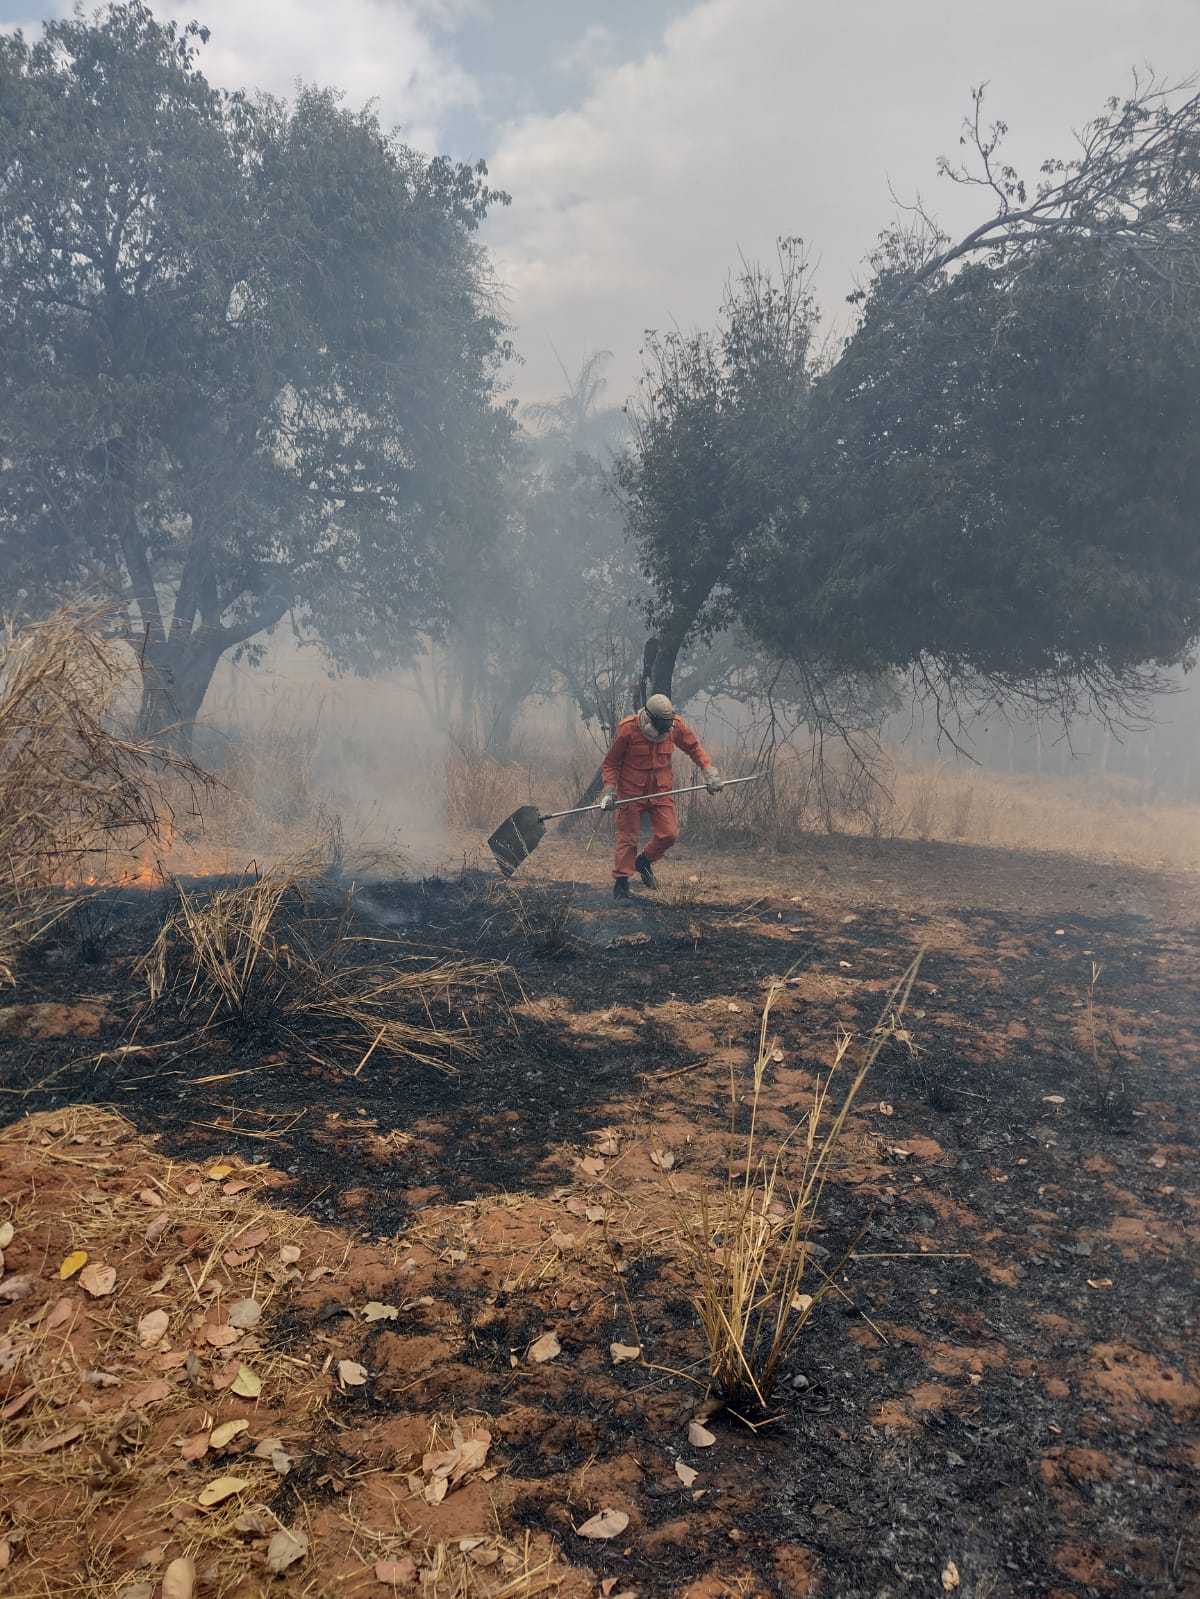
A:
662, 1158
351, 1374
607, 1524
686, 1474
563, 1241
60, 1313
396, 1572
284, 1549
220, 1337
238, 1187
885, 1109
595, 1212
151, 1196
238, 1257
699, 1437
950, 1577
247, 1383
14, 1288
289, 1254
74, 1261
5, 1553
245, 1314
375, 1311
152, 1327
56, 1440
547, 1347
228, 1431
221, 1488
97, 1280
150, 1394
434, 1492
592, 1166
179, 1579
252, 1239
1099, 1282
608, 1146
7, 1234
620, 1352
218, 1173
17, 1404
195, 1447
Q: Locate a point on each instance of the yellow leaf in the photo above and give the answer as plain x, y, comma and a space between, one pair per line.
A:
218, 1172
247, 1383
73, 1262
221, 1488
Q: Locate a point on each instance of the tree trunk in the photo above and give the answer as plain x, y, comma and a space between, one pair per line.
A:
175, 682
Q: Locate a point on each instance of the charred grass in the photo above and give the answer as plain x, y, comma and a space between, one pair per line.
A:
1004, 1378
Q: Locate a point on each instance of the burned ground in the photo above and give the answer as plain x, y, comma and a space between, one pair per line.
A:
1009, 1390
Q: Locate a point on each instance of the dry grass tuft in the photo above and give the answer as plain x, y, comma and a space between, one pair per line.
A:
77, 794
745, 1243
478, 791
280, 951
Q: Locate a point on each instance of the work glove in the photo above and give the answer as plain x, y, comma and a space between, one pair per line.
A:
608, 798
713, 781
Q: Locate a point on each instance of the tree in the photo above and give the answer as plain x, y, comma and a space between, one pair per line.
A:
249, 364
993, 485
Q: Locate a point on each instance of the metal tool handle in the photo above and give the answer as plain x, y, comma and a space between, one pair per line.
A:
666, 793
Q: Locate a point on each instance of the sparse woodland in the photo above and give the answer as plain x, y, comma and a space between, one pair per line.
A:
822, 1222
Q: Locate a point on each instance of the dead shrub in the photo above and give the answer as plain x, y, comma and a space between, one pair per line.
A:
745, 1242
281, 951
78, 793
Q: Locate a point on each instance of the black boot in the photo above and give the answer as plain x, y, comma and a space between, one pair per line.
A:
645, 871
620, 888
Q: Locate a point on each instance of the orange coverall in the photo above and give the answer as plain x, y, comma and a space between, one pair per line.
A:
638, 765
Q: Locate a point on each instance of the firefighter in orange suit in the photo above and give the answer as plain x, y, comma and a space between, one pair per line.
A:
638, 766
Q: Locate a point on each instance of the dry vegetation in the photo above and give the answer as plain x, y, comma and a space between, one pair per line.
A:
156, 1414
80, 797
746, 1243
281, 952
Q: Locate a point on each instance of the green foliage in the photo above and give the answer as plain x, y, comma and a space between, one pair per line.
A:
250, 364
993, 485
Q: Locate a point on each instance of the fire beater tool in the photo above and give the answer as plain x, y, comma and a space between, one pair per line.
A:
523, 831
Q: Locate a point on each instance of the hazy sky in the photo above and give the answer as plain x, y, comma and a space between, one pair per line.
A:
646, 143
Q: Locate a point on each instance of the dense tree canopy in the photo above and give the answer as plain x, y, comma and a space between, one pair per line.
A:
994, 485
249, 360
